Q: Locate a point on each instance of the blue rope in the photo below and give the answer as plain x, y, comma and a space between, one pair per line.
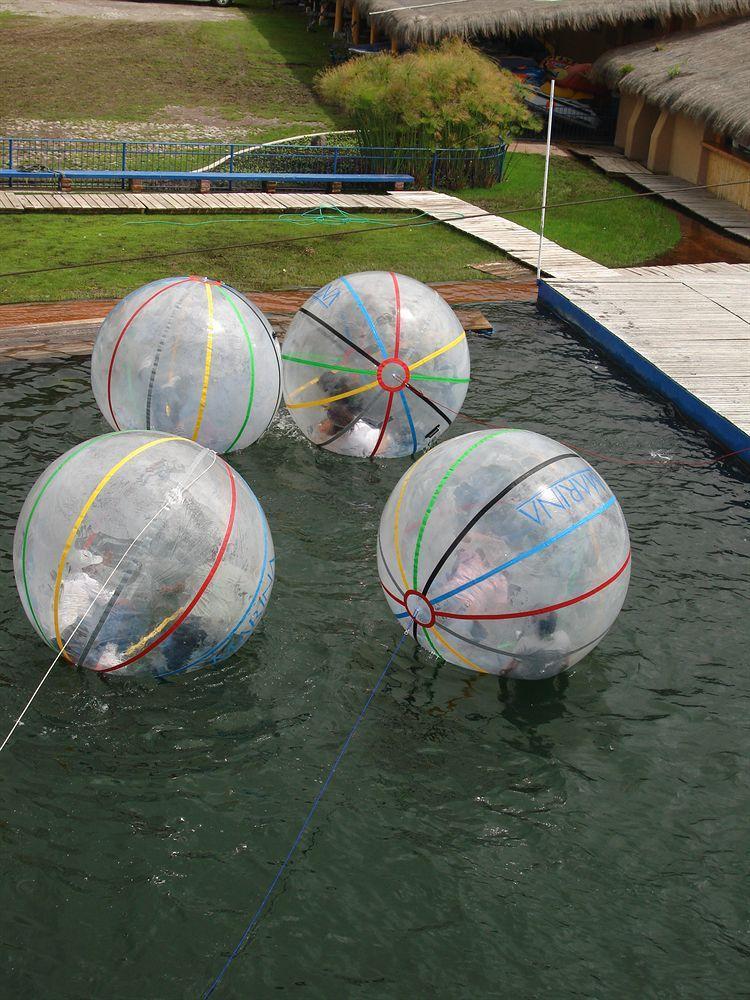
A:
316, 802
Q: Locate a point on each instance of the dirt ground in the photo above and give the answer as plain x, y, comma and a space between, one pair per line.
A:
172, 124
238, 84
121, 10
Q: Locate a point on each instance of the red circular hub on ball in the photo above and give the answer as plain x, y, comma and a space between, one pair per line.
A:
419, 608
393, 375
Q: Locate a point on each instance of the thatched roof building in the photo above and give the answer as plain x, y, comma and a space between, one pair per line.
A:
704, 75
413, 21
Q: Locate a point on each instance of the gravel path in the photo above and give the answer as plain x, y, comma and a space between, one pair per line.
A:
121, 10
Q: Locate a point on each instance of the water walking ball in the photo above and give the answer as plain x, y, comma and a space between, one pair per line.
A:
375, 364
143, 553
504, 552
189, 356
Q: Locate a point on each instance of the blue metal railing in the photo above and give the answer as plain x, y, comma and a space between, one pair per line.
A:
434, 167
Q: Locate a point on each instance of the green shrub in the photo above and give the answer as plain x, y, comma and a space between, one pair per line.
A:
674, 71
627, 68
447, 96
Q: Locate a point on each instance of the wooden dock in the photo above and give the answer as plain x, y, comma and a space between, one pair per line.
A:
714, 209
73, 338
684, 331
39, 331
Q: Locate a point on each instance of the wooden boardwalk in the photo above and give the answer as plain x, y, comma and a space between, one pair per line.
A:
683, 330
163, 201
724, 214
515, 241
37, 331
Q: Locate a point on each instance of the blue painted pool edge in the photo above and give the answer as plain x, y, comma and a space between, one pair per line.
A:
719, 427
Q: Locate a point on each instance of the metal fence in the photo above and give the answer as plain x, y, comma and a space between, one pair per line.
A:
449, 168
480, 166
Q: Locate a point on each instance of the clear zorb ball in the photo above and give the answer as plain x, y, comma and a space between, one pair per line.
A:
141, 553
190, 356
504, 552
375, 364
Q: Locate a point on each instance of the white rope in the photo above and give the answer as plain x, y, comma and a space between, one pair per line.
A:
173, 497
435, 3
264, 145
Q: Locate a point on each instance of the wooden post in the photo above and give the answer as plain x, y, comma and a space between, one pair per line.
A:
546, 176
355, 23
338, 20
373, 31
394, 46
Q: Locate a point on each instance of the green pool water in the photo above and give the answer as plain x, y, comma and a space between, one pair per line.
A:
584, 837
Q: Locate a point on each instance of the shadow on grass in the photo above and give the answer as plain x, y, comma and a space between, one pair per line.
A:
304, 52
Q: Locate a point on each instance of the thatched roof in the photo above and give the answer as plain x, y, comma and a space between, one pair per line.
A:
703, 74
414, 21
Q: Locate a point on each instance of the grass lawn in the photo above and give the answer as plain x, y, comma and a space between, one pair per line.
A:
617, 233
430, 253
252, 73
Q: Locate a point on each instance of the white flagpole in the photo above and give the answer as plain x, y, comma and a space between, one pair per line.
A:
546, 175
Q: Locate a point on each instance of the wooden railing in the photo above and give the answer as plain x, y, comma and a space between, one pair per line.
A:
722, 167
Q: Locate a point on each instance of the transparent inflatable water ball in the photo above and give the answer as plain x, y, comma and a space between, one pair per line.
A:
504, 552
187, 593
375, 364
189, 356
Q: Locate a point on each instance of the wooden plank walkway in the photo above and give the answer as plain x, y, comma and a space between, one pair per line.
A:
711, 207
172, 201
515, 241
39, 330
721, 273
62, 339
683, 330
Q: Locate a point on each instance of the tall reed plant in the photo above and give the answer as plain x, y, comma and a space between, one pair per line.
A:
450, 96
